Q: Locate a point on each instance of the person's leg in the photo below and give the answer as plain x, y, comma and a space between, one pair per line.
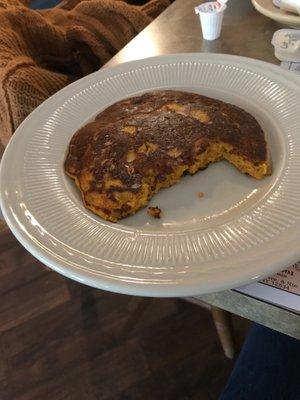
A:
42, 4
268, 368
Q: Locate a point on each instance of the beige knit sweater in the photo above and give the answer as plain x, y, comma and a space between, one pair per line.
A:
41, 52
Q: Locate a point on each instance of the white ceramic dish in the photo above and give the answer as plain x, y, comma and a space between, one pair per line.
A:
267, 8
241, 230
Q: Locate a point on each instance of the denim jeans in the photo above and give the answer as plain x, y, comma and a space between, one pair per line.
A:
40, 4
268, 368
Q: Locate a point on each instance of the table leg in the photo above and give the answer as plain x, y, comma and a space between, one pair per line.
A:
222, 323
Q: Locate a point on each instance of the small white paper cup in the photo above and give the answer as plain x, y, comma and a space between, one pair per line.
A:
211, 20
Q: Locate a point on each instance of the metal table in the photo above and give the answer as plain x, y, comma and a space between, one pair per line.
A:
246, 33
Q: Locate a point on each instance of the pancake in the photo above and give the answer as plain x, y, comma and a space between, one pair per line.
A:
142, 144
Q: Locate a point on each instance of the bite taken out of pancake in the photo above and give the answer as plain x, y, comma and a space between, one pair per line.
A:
142, 144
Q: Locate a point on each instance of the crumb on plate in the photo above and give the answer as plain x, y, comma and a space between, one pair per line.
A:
154, 212
200, 194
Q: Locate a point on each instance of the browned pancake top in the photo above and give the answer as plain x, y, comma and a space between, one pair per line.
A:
157, 131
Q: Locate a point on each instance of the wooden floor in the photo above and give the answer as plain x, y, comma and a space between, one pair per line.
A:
62, 340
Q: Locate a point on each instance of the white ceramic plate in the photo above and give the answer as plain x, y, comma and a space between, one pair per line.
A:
241, 230
267, 8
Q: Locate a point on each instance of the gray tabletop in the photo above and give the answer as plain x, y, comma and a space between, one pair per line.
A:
246, 33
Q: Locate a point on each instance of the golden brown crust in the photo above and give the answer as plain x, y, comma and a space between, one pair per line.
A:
138, 145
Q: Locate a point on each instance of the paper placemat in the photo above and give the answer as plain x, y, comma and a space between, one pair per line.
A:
282, 289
